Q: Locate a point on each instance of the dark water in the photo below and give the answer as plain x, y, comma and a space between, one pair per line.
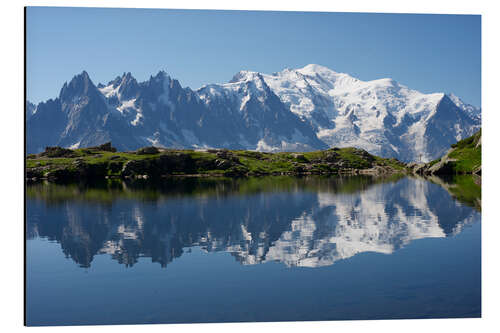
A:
268, 249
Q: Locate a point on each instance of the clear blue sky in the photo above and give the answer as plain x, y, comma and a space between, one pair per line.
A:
430, 53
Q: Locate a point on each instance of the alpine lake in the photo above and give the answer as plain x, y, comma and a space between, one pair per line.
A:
277, 248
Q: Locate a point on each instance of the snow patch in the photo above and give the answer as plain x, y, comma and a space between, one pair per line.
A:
137, 119
130, 104
110, 91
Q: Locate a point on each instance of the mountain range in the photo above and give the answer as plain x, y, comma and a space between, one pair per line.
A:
304, 109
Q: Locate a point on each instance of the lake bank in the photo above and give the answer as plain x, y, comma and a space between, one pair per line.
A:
61, 165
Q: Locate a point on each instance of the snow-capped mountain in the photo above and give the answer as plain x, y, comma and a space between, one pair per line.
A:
260, 120
381, 116
294, 110
79, 117
162, 113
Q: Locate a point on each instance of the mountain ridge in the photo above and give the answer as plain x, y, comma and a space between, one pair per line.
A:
304, 109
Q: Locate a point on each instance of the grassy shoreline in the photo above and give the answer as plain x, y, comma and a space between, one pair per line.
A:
61, 164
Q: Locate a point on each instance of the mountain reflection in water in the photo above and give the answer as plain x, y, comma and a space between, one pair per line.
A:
311, 222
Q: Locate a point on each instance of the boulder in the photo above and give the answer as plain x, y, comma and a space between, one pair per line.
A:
223, 164
300, 157
224, 153
104, 147
363, 153
57, 152
132, 168
331, 156
227, 155
147, 151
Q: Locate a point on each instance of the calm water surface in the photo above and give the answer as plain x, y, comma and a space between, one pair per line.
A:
266, 249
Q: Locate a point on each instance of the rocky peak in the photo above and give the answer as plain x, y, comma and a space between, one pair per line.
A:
128, 86
243, 76
80, 85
